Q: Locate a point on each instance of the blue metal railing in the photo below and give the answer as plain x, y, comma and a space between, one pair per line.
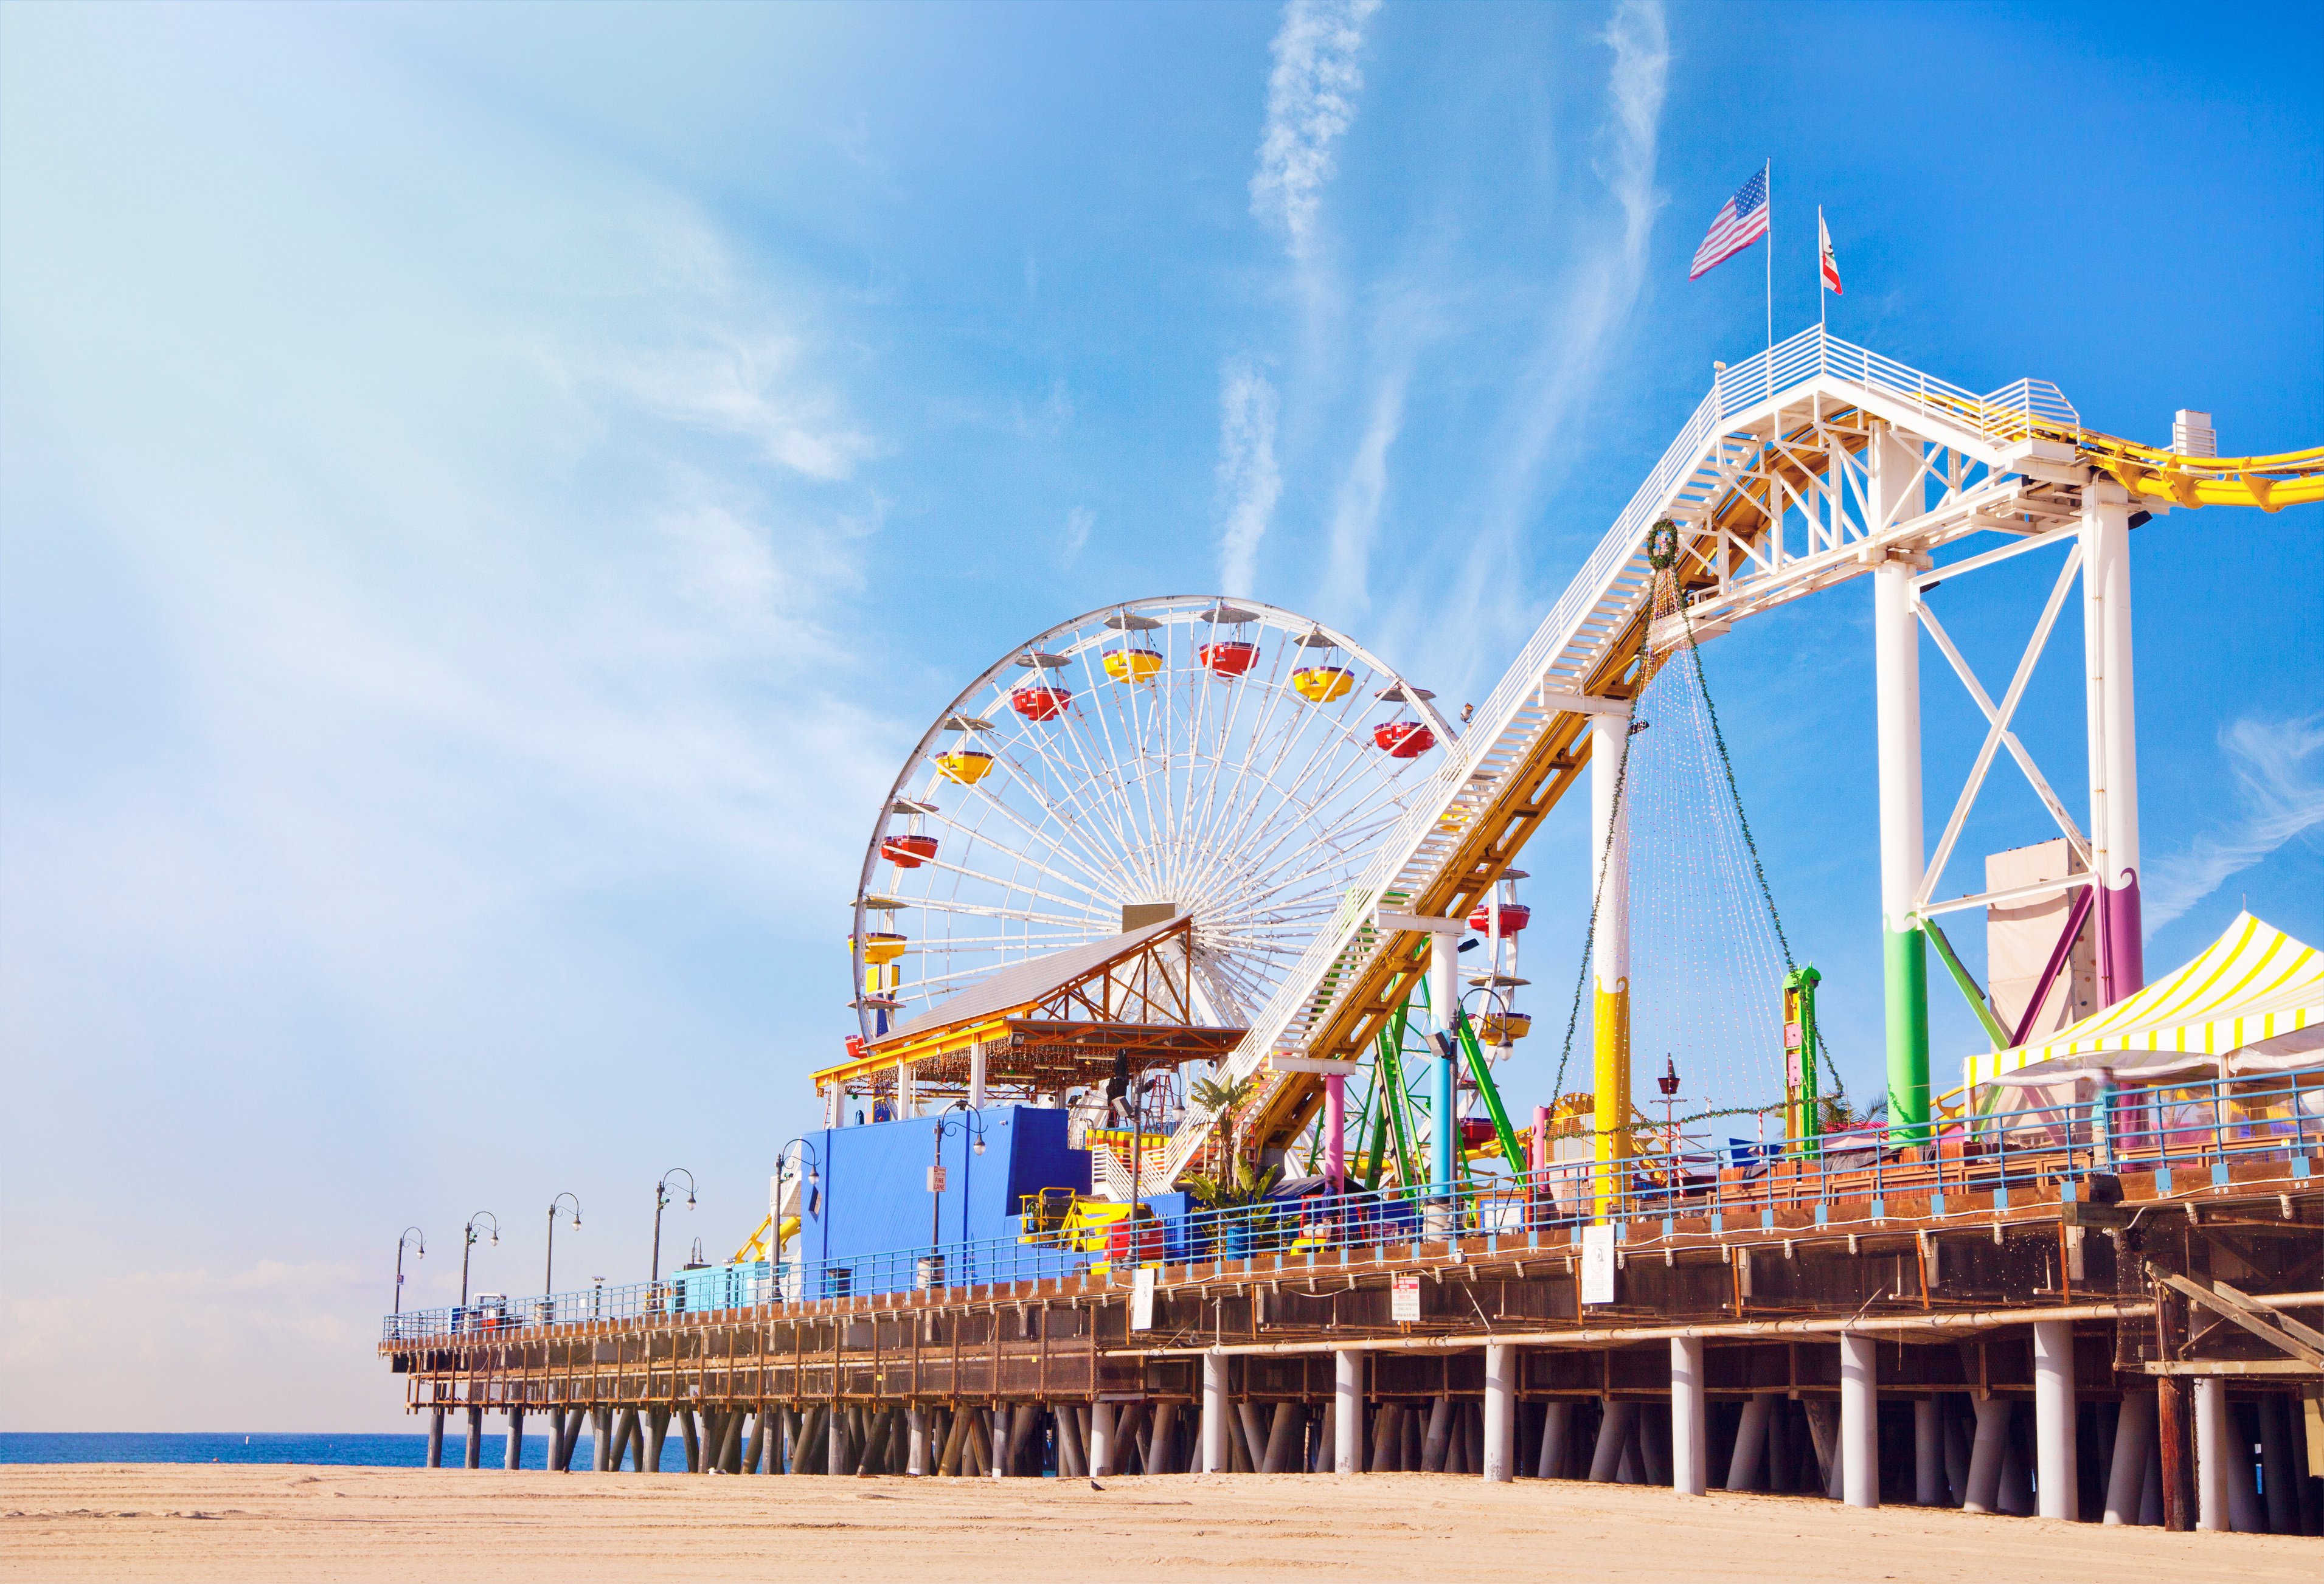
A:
2163, 1129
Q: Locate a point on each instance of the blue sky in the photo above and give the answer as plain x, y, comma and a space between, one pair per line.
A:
487, 497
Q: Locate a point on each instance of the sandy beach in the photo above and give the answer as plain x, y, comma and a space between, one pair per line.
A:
166, 1521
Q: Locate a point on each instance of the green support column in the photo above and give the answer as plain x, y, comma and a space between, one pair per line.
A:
1905, 978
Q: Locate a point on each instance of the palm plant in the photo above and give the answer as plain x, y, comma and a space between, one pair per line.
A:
1222, 1097
1231, 1190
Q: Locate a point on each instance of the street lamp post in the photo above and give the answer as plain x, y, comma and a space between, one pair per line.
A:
661, 1198
549, 1271
812, 1163
416, 1240
469, 1241
971, 1124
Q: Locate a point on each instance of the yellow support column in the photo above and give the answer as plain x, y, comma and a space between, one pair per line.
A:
1610, 951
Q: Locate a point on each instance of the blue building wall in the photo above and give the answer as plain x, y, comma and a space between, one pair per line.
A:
874, 1191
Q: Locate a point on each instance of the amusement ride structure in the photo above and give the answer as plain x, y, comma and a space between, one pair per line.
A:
1193, 756
1161, 1093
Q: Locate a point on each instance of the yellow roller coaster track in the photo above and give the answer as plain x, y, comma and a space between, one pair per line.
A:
1729, 512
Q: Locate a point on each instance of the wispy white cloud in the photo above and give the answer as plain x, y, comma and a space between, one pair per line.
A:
1078, 524
2282, 794
1490, 602
1250, 483
1640, 39
1311, 100
1355, 519
750, 388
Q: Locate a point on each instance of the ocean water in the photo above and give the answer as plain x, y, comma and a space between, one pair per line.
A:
375, 1452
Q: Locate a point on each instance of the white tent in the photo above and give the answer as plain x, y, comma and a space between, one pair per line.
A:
2251, 1003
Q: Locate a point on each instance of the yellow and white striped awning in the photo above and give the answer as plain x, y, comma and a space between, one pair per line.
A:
2254, 985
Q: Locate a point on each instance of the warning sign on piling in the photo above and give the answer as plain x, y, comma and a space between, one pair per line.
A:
1406, 1305
1598, 1265
1141, 1299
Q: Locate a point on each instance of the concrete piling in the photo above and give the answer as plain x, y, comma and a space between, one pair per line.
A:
2057, 1483
2210, 1453
1690, 1428
2134, 1448
2276, 1468
436, 1438
1613, 1436
1744, 1463
1928, 1452
1348, 1411
1556, 1437
1214, 1413
1859, 1420
514, 1458
474, 1450
1500, 1418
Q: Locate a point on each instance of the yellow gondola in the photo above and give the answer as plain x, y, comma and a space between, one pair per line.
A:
968, 765
1134, 665
1323, 684
881, 947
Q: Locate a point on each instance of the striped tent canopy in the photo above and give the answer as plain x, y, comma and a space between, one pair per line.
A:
2252, 1002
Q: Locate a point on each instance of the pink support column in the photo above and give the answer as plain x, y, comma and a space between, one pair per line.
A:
1335, 1132
2113, 739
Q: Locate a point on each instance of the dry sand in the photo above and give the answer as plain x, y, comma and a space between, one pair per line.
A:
178, 1521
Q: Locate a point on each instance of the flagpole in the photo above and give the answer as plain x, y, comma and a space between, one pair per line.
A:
1821, 293
1769, 171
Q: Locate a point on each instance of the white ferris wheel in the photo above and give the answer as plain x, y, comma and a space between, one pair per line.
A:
1223, 758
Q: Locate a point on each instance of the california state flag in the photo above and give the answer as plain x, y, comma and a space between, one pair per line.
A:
1823, 254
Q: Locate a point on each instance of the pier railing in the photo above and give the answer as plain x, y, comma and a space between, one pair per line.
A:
2167, 1130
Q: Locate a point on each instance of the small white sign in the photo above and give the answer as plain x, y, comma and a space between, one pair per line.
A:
1405, 1305
1598, 1265
1141, 1299
935, 1179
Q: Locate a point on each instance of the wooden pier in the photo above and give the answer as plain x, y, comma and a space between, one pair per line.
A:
1868, 1349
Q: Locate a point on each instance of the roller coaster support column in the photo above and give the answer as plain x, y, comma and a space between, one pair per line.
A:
1610, 955
1443, 1124
1897, 682
2114, 739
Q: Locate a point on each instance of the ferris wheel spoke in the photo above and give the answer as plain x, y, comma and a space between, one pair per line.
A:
964, 871
980, 910
1109, 780
1090, 860
1101, 809
1008, 887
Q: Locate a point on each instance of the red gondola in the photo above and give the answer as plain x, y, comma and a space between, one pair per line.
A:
1228, 658
907, 851
1515, 916
1404, 739
1042, 702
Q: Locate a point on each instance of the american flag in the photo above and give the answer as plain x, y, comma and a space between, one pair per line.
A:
1741, 222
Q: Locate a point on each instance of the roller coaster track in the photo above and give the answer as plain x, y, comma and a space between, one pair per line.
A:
1771, 480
